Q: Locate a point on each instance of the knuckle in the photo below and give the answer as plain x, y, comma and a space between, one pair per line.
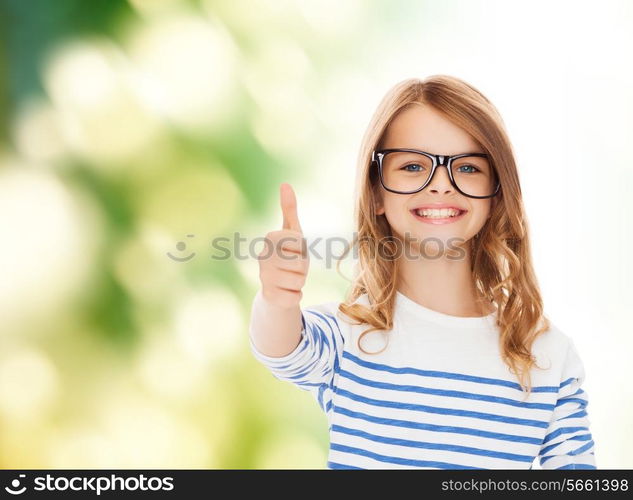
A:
269, 238
291, 234
301, 281
293, 280
296, 266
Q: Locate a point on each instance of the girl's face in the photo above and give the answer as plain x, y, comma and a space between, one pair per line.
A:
423, 128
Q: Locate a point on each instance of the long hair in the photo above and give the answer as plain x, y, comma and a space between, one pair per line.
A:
501, 263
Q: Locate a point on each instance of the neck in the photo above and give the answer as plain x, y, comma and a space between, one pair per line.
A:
441, 284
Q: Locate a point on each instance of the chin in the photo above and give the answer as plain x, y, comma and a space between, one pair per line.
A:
431, 239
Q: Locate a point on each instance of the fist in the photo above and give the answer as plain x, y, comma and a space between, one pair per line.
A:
284, 261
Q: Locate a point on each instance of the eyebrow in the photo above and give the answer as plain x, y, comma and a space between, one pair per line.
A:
424, 150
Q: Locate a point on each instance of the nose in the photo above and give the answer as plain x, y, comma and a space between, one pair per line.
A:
440, 181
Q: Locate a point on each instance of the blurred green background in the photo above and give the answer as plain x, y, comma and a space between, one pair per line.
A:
129, 130
134, 129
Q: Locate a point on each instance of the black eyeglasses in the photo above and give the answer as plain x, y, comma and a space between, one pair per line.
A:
407, 171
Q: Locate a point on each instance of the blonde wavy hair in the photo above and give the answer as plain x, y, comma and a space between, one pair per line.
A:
501, 264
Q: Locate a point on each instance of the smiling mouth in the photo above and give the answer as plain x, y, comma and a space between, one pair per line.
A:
442, 213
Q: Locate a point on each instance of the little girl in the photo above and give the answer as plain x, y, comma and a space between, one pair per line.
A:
440, 357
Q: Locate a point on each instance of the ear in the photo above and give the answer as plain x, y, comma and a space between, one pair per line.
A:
380, 209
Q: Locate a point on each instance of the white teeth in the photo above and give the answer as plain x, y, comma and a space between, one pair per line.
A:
437, 213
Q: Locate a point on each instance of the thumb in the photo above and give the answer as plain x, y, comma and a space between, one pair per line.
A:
289, 208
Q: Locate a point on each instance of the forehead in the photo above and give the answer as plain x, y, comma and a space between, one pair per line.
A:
422, 127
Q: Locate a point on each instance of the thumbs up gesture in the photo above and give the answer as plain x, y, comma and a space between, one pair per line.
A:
284, 261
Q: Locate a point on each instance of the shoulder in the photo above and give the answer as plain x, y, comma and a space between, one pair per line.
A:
323, 313
328, 309
331, 313
553, 340
555, 349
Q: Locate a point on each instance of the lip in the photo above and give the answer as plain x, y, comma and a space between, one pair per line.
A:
438, 205
442, 220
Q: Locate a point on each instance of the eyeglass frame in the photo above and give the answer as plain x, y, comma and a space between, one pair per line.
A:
438, 160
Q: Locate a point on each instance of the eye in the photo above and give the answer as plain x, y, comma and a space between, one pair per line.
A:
412, 165
474, 169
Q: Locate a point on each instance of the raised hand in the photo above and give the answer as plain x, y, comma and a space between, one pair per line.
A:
284, 261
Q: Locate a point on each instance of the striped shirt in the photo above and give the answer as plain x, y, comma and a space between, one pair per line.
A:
439, 396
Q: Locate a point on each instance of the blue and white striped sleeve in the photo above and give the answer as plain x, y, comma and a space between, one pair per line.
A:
315, 361
568, 443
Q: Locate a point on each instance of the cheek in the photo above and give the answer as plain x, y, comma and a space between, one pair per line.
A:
399, 206
395, 212
482, 211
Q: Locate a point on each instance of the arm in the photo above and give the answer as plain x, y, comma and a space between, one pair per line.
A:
315, 359
568, 443
274, 330
302, 347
